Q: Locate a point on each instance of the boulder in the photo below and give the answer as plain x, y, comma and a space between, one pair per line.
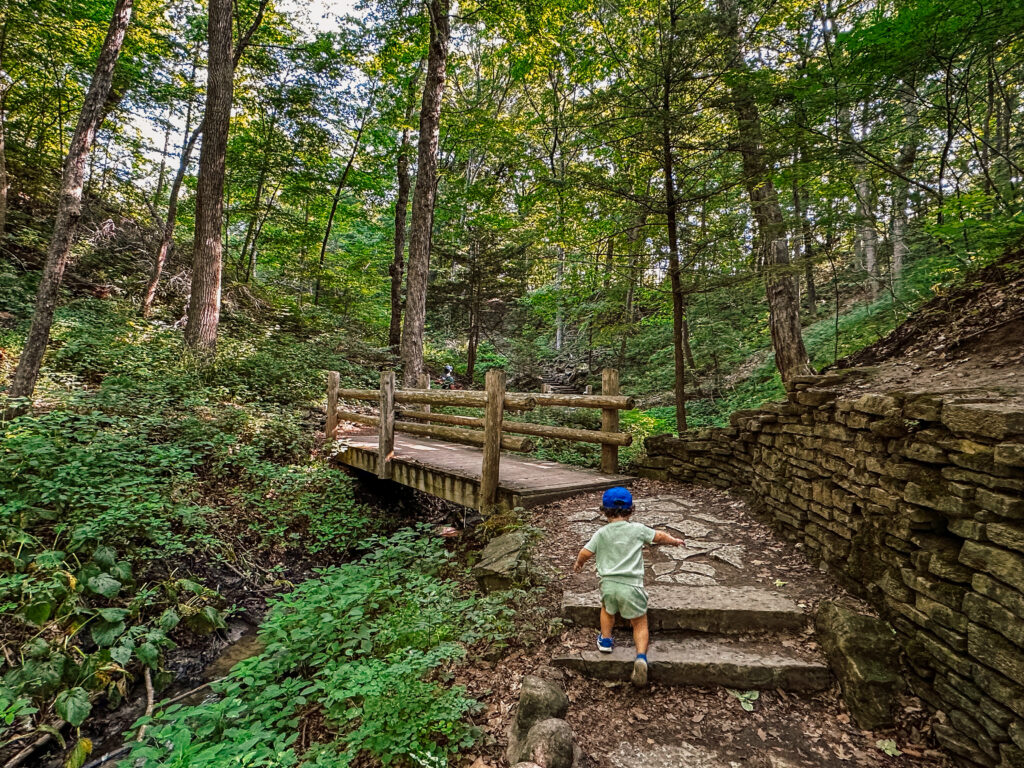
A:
549, 744
864, 657
503, 562
539, 700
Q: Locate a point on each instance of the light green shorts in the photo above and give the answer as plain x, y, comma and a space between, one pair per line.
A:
625, 600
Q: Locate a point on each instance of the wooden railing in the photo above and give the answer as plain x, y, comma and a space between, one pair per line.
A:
491, 431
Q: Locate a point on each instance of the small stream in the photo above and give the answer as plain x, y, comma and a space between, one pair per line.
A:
241, 642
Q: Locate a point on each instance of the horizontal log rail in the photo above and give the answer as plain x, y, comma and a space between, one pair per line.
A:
526, 428
492, 432
452, 434
455, 398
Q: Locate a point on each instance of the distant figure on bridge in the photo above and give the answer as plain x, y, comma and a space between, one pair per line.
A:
448, 380
618, 546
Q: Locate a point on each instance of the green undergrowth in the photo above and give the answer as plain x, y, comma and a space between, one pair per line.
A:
357, 662
138, 479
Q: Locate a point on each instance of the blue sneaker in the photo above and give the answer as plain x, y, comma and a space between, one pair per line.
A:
639, 677
605, 644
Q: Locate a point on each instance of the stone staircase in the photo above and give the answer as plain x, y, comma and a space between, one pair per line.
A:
694, 640
703, 632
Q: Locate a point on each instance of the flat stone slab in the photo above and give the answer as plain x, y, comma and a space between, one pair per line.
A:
704, 662
722, 610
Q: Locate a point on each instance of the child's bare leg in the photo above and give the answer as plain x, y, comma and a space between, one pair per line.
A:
607, 623
641, 636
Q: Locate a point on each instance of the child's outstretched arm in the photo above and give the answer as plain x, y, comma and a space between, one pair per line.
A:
584, 555
666, 538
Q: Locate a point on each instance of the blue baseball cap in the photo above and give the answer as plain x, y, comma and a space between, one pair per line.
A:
617, 498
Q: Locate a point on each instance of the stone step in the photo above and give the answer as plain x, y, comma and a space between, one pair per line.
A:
720, 610
705, 662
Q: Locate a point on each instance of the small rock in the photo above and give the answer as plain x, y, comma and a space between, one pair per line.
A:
502, 563
540, 699
549, 744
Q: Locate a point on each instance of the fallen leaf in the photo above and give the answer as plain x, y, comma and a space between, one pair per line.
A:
762, 735
698, 717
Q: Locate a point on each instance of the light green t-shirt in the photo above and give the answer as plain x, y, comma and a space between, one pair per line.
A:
618, 549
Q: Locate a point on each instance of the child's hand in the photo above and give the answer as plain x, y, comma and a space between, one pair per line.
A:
677, 542
577, 567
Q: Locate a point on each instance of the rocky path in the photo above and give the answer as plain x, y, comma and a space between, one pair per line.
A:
730, 616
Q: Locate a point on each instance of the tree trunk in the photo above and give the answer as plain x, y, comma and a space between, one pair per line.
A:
69, 207
678, 309
804, 223
905, 166
4, 183
164, 249
208, 249
423, 197
397, 269
780, 288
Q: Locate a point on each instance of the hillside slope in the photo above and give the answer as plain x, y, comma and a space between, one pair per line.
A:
967, 337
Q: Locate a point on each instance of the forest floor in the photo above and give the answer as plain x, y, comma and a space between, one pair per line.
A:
618, 726
967, 337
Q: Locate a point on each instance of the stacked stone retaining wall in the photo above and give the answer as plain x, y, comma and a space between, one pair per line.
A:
915, 501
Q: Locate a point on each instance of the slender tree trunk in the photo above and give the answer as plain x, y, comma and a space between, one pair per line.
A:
800, 214
397, 269
208, 249
4, 182
250, 228
424, 195
164, 249
905, 165
675, 279
69, 207
780, 288
337, 198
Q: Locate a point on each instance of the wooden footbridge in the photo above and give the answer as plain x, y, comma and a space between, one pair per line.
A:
459, 457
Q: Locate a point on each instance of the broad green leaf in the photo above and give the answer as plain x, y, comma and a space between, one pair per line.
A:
73, 705
104, 585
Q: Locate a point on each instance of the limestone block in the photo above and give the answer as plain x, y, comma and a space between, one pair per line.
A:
991, 614
877, 404
967, 529
970, 727
1011, 454
864, 657
1010, 599
1001, 563
926, 452
1012, 756
999, 688
984, 479
924, 408
937, 497
995, 420
960, 744
502, 563
1000, 503
941, 613
996, 651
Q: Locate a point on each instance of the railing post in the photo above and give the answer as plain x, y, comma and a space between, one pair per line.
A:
494, 383
386, 442
333, 384
609, 421
424, 383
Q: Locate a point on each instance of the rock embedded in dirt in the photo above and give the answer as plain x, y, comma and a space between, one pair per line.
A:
549, 744
503, 563
540, 699
864, 657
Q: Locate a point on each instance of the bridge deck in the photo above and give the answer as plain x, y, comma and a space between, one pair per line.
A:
452, 471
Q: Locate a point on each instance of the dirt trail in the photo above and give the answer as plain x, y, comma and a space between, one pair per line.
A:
618, 726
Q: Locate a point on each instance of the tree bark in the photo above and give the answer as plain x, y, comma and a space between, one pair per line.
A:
780, 288
208, 249
69, 207
334, 208
397, 269
905, 165
424, 195
678, 310
4, 183
164, 249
